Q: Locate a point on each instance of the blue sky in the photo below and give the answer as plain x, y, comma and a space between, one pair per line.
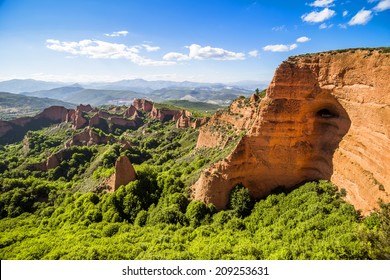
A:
198, 40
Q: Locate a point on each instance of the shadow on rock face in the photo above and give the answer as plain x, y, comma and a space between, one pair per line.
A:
327, 124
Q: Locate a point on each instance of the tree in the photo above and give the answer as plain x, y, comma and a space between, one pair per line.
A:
196, 211
240, 201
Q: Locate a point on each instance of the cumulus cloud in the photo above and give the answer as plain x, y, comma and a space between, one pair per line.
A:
303, 39
104, 50
280, 48
345, 13
117, 34
322, 3
382, 6
253, 53
198, 52
321, 16
361, 18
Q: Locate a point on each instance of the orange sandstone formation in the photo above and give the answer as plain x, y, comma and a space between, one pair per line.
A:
143, 105
325, 116
124, 173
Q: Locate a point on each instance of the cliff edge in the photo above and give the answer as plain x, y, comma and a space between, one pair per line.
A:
325, 116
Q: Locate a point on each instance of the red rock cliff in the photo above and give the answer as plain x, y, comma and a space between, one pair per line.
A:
143, 105
124, 173
325, 116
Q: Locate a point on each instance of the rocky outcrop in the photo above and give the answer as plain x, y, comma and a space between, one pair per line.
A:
223, 124
70, 116
164, 114
14, 130
124, 174
131, 112
76, 117
85, 108
52, 161
87, 137
143, 105
325, 116
56, 114
5, 127
199, 122
183, 122
121, 122
79, 120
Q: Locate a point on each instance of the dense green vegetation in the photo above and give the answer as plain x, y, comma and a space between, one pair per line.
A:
62, 213
198, 108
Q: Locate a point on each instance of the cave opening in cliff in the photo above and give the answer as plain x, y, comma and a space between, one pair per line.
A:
327, 114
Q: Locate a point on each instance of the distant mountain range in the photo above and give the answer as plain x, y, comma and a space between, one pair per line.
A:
16, 105
123, 92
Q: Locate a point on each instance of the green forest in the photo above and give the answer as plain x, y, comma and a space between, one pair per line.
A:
62, 213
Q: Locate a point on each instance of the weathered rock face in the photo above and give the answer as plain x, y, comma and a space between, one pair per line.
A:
54, 113
183, 122
79, 120
5, 127
199, 122
164, 114
14, 130
143, 105
236, 119
124, 173
70, 116
85, 108
88, 137
122, 122
131, 112
325, 116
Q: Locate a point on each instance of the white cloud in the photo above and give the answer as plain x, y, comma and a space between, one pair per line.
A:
382, 6
280, 48
322, 3
253, 53
117, 34
176, 56
303, 39
361, 18
345, 13
279, 28
342, 26
325, 26
150, 48
318, 16
104, 50
198, 52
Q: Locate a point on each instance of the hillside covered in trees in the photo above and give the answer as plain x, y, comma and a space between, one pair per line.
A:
64, 211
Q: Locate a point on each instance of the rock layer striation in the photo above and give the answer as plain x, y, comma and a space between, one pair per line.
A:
325, 116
